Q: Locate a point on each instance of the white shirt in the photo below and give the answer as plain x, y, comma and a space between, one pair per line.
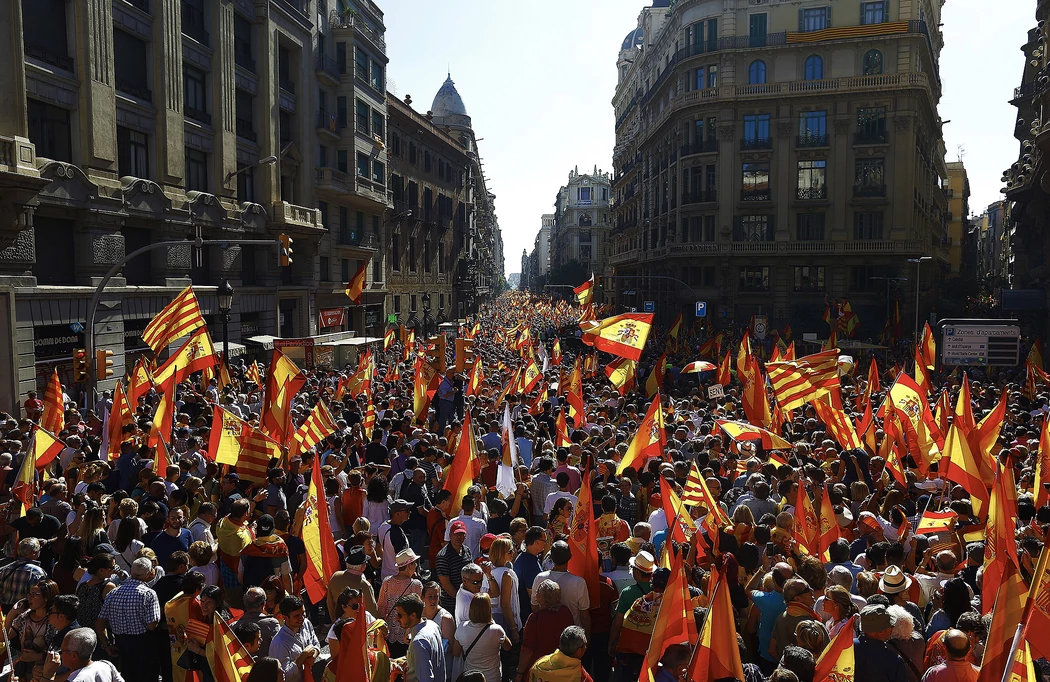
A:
574, 594
484, 654
96, 671
475, 529
658, 520
553, 498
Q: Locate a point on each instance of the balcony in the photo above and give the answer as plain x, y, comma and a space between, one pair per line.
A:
327, 123
871, 137
752, 143
811, 141
141, 4
812, 193
371, 190
47, 56
354, 239
751, 42
704, 196
326, 67
756, 194
869, 190
135, 90
198, 115
331, 181
702, 47
246, 129
350, 19
708, 146
298, 217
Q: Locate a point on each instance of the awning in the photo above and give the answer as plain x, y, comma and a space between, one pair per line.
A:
356, 341
235, 348
264, 340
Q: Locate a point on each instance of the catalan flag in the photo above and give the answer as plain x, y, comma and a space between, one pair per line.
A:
54, 417
357, 283
229, 660
696, 493
368, 422
318, 426
196, 354
251, 373
235, 442
648, 441
623, 335
585, 292
322, 558
175, 320
801, 381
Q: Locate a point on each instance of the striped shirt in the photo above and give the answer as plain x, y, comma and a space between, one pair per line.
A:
450, 563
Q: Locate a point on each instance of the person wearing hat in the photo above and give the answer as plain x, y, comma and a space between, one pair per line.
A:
800, 599
635, 635
393, 535
897, 586
394, 587
352, 577
874, 660
642, 566
450, 562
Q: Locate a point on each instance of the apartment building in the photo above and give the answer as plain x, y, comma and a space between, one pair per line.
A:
582, 220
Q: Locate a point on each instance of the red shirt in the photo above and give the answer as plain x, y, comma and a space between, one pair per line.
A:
542, 633
436, 522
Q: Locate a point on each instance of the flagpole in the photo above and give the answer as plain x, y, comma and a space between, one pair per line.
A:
1040, 569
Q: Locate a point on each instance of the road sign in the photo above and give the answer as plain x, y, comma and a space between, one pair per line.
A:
761, 326
981, 343
701, 308
76, 327
648, 306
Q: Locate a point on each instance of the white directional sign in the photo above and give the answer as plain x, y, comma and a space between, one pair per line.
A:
981, 344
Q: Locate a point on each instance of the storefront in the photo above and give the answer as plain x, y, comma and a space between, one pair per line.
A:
53, 348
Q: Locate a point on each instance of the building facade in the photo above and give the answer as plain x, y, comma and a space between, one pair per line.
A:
542, 245
958, 215
153, 120
428, 233
992, 236
769, 155
582, 221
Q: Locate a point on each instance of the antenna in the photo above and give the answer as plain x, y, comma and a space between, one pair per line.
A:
960, 152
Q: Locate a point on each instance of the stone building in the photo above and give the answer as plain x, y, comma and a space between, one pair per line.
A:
151, 120
770, 154
582, 220
428, 237
958, 189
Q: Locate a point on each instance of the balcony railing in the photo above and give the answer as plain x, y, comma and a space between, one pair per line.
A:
134, 90
198, 115
871, 137
701, 147
330, 178
325, 64
809, 193
45, 55
327, 121
702, 47
749, 41
763, 194
246, 129
756, 143
811, 141
869, 190
703, 196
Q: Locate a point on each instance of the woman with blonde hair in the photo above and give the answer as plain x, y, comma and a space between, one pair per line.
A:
201, 555
505, 612
479, 640
127, 508
867, 584
839, 605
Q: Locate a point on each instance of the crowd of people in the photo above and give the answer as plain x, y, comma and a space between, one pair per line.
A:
118, 571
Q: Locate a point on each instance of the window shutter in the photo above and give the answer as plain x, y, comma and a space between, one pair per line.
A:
885, 10
801, 20
827, 17
861, 22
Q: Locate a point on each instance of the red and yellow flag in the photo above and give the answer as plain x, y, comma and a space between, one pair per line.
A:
741, 431
283, 381
464, 465
717, 654
583, 539
1000, 552
196, 354
237, 443
922, 376
723, 376
623, 335
229, 660
656, 377
357, 283
139, 382
1038, 615
621, 373
933, 522
163, 416
251, 373
1042, 466
676, 327
574, 395
648, 441
318, 426
753, 393
561, 438
585, 292
175, 320
924, 439
928, 348
829, 527
120, 415
556, 353
54, 417
322, 558
806, 530
800, 381
674, 621
368, 422
837, 662
477, 375
1009, 605
353, 664
388, 339
678, 518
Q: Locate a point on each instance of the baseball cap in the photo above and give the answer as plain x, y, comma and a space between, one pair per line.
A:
457, 527
486, 541
399, 505
264, 526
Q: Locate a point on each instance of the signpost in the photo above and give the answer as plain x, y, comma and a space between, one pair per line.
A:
701, 308
761, 327
983, 343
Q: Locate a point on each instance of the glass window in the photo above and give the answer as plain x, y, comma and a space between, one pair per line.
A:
395, 252
815, 19
130, 64
326, 269
873, 12
712, 76
813, 128
870, 177
363, 114
377, 76
754, 279
360, 64
583, 195
756, 127
701, 78
132, 153
363, 165
756, 73
49, 130
378, 123
340, 57
868, 225
412, 262
755, 182
378, 173
814, 68
811, 179
809, 227
871, 123
193, 91
809, 278
342, 162
754, 228
872, 65
196, 170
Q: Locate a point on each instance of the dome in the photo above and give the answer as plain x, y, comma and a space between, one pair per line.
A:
661, 3
447, 101
635, 38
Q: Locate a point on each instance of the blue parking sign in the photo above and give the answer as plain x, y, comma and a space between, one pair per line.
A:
701, 308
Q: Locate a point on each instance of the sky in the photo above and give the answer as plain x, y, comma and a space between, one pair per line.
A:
538, 78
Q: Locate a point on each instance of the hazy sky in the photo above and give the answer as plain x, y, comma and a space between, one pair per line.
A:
537, 79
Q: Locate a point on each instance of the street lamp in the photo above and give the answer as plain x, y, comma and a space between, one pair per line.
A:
225, 294
918, 264
426, 311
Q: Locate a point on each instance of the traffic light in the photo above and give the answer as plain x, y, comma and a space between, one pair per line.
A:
464, 355
436, 353
81, 371
597, 280
286, 250
103, 364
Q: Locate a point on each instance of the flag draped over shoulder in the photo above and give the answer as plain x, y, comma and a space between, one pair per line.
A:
648, 441
235, 442
583, 540
623, 335
54, 417
283, 381
800, 381
322, 558
175, 320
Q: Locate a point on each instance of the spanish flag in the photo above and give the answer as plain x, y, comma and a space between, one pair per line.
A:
583, 539
656, 377
283, 381
164, 415
119, 416
1009, 607
531, 376
196, 354
357, 283
322, 558
1000, 553
838, 662
933, 522
139, 382
674, 620
562, 437
742, 431
753, 395
237, 443
928, 348
462, 471
829, 527
807, 527
648, 441
54, 417
676, 327
621, 373
623, 335
922, 377
574, 395
1042, 466
585, 292
556, 353
717, 655
388, 339
477, 375
1039, 605
724, 374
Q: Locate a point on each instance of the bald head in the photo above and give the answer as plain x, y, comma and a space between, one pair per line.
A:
957, 644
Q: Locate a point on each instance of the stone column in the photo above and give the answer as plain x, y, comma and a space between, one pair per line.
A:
97, 108
98, 246
224, 97
13, 117
167, 84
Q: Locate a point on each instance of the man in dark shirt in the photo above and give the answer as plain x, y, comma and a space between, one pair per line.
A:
450, 562
376, 452
37, 524
415, 493
527, 566
875, 661
175, 538
230, 487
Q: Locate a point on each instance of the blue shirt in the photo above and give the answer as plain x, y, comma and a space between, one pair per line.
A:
770, 605
526, 567
164, 545
853, 568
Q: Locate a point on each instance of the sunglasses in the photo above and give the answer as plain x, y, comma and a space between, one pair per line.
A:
474, 582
